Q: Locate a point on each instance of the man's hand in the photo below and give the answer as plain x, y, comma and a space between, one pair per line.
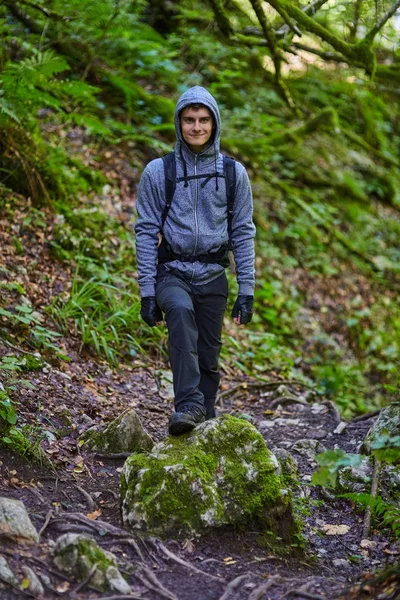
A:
150, 311
242, 310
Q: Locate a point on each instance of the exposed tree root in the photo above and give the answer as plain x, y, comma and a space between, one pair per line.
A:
233, 585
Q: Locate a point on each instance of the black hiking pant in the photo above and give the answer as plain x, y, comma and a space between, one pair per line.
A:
194, 315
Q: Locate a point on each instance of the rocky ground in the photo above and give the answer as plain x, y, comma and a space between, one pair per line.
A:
78, 491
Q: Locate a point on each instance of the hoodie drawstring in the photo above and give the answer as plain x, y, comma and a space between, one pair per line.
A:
184, 166
216, 172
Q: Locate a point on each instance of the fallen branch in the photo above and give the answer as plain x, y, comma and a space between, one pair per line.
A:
368, 415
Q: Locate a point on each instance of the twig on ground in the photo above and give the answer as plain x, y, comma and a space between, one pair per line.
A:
147, 577
259, 592
91, 503
233, 585
366, 416
4, 341
374, 490
85, 581
344, 545
160, 546
46, 522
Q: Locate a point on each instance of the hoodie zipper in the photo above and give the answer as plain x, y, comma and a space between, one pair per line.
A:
196, 224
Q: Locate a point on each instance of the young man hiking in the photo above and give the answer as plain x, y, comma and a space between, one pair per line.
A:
201, 203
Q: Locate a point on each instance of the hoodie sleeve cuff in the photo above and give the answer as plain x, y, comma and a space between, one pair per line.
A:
147, 290
246, 289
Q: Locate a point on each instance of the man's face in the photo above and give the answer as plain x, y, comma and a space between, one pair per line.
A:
196, 127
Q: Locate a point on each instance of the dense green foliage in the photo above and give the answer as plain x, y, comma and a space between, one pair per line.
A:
319, 136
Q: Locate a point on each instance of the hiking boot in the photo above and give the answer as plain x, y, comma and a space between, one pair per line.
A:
185, 419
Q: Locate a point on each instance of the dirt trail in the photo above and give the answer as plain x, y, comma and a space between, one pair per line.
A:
87, 484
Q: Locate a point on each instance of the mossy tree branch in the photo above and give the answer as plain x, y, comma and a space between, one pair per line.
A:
360, 54
382, 22
276, 55
222, 17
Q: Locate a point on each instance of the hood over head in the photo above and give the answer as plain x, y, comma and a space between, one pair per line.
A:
199, 95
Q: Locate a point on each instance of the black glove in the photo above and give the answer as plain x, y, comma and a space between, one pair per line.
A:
150, 311
243, 307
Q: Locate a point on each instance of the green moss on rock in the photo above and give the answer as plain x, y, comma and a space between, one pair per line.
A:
219, 474
77, 554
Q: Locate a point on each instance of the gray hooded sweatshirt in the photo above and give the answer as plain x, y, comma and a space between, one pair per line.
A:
197, 222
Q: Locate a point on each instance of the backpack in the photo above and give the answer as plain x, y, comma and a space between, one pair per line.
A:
165, 254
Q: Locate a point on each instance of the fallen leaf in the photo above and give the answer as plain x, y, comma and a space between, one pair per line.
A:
392, 552
94, 515
24, 584
367, 544
335, 529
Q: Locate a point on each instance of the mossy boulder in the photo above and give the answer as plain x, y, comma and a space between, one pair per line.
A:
355, 479
124, 434
219, 474
386, 426
76, 555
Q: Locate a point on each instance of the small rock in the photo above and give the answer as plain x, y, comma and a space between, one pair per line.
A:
340, 428
124, 434
340, 562
75, 554
280, 392
15, 523
308, 448
6, 574
355, 479
285, 422
266, 425
316, 408
86, 420
35, 586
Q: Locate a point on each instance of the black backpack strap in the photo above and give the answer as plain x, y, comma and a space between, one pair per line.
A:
230, 182
169, 161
